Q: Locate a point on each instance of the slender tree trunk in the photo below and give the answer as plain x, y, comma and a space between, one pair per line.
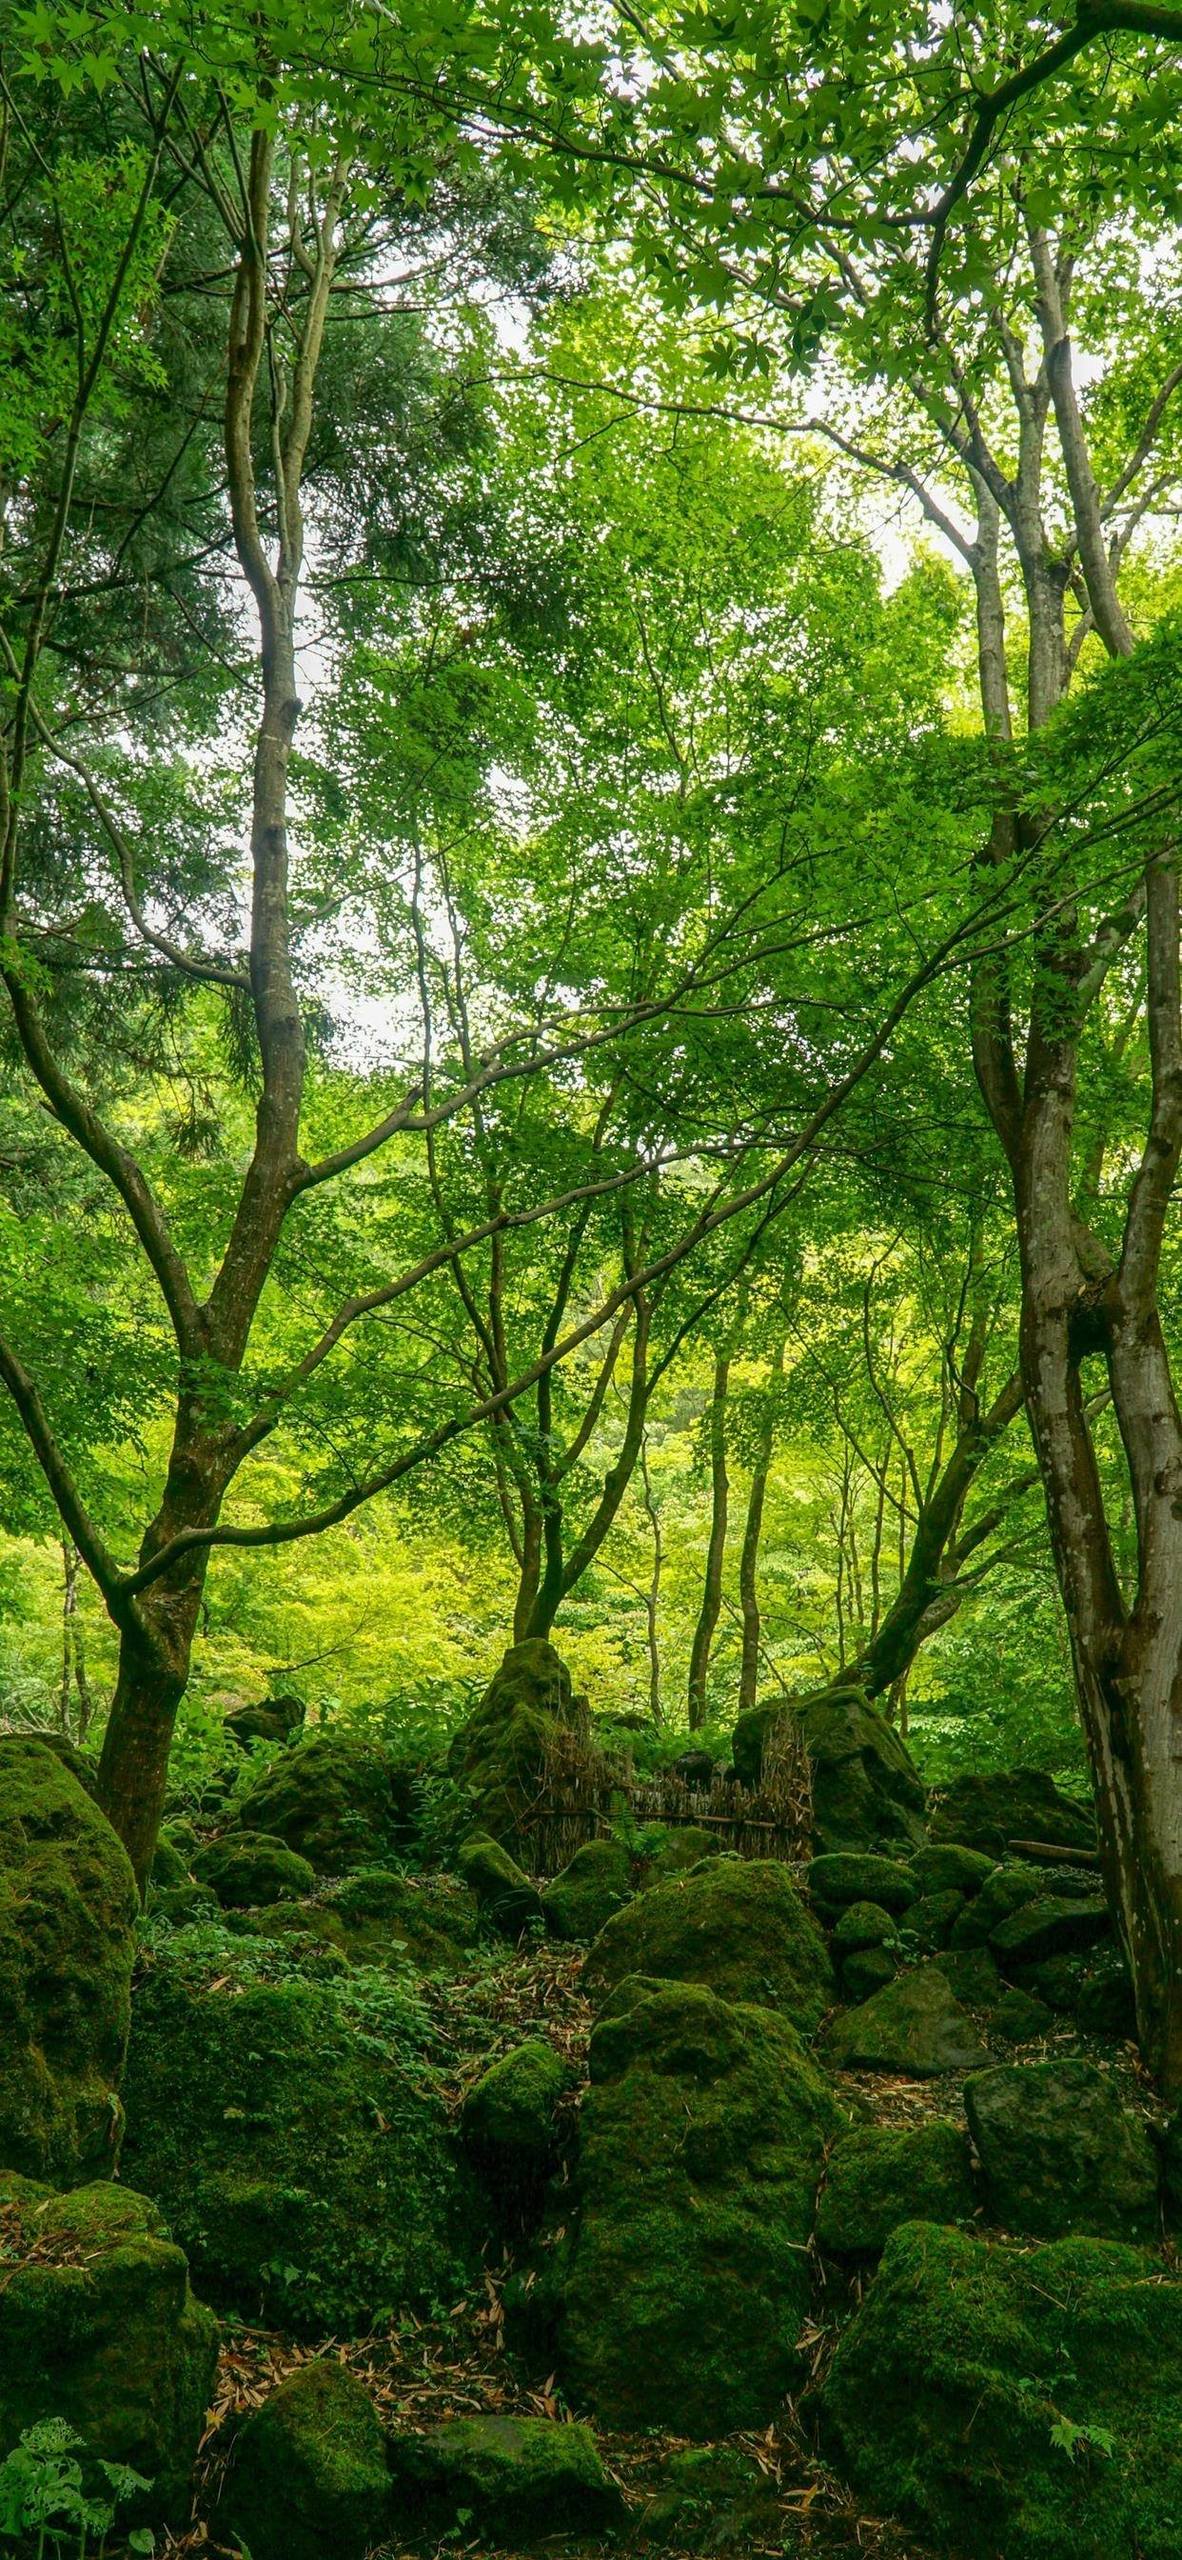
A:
752, 1536
708, 1614
653, 1595
528, 1573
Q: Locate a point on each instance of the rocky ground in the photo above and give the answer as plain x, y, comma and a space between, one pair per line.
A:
685, 2202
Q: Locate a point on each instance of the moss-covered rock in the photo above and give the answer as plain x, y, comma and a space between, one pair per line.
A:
270, 1720
1013, 2403
882, 2175
308, 2477
515, 2479
98, 2326
701, 2143
508, 2121
712, 2497
845, 1876
867, 1791
737, 1925
867, 1970
170, 1865
1049, 1926
1020, 2018
864, 1924
915, 2027
503, 1891
946, 1866
596, 1884
971, 1976
68, 1905
928, 1923
1004, 1890
338, 1802
248, 1868
288, 2128
685, 1844
1061, 2152
500, 1755
990, 1811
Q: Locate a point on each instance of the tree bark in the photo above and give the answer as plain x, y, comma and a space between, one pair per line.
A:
708, 1614
752, 1536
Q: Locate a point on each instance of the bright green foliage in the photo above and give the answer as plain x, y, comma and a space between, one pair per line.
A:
701, 2144
308, 2472
98, 2326
737, 1925
67, 1907
880, 2176
289, 2128
1017, 2400
517, 2480
43, 2491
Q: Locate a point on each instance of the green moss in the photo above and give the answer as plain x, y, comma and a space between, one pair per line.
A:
864, 1924
1061, 2152
503, 1892
851, 1876
247, 1868
915, 2026
291, 2132
882, 2175
508, 2117
739, 1926
867, 1792
990, 1811
68, 1904
948, 1867
338, 1802
514, 2479
596, 1884
966, 2357
98, 2326
500, 1754
701, 2143
308, 2477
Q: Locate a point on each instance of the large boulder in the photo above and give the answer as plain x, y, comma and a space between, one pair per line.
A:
98, 2326
514, 2479
1050, 1925
308, 2478
737, 1925
288, 2129
858, 1875
502, 1753
503, 1891
991, 1811
867, 1791
271, 1720
379, 1917
68, 1906
248, 1868
597, 1882
881, 2175
915, 2026
1013, 2403
1060, 2152
338, 1802
702, 2139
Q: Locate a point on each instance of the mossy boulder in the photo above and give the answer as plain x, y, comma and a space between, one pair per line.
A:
386, 1918
308, 2477
882, 2175
993, 1810
68, 1906
684, 1846
597, 1883
863, 1924
288, 2128
702, 2139
946, 1866
1005, 1889
248, 1868
737, 1925
171, 1869
1012, 2403
927, 1924
514, 2479
1061, 2152
508, 2120
1050, 1925
867, 1970
867, 1791
503, 1891
336, 1801
712, 2497
1020, 2018
500, 1755
844, 1876
270, 1720
915, 2027
98, 2326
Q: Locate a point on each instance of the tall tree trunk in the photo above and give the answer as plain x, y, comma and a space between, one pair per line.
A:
652, 1601
752, 1536
708, 1614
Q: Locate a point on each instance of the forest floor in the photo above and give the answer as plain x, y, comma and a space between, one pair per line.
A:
422, 2371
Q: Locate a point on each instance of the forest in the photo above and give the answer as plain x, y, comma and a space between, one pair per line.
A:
590, 1280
